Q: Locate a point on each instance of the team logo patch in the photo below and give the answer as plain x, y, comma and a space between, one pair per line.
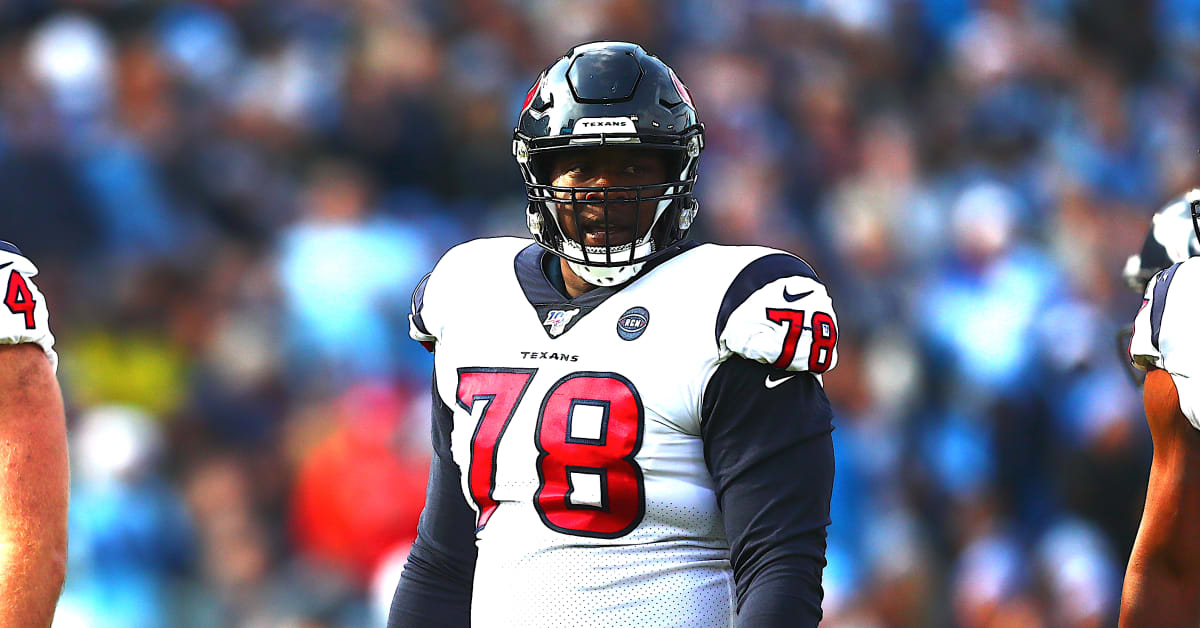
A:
557, 320
632, 323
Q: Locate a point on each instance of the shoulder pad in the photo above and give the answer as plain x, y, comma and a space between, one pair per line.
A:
777, 312
1147, 323
416, 322
1149, 344
458, 270
23, 313
1164, 333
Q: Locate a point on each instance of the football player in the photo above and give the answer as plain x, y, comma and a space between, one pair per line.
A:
1170, 239
629, 428
33, 452
1162, 581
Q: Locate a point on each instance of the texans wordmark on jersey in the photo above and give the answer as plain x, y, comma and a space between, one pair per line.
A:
23, 317
1165, 335
579, 428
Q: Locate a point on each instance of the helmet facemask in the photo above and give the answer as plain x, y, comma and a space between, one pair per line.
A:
629, 225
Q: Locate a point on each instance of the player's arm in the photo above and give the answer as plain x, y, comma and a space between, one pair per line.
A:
1163, 576
33, 452
770, 453
435, 587
766, 425
33, 487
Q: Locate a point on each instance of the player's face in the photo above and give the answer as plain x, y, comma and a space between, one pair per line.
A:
606, 167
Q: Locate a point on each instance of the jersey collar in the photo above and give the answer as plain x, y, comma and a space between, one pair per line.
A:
546, 297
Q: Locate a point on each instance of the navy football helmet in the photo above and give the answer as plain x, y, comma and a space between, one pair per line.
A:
1172, 238
609, 94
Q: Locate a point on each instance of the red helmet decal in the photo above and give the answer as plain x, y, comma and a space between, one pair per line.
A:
679, 86
532, 92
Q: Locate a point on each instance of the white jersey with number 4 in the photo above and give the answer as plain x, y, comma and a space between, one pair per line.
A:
1166, 334
23, 313
577, 424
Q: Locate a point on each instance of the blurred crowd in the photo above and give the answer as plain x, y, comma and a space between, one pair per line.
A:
231, 200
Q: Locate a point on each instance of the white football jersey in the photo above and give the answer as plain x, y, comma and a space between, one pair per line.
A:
576, 425
1165, 336
23, 314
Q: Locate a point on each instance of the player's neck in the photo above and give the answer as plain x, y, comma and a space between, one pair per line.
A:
574, 284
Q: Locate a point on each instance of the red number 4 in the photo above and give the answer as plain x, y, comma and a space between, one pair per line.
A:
820, 356
19, 298
589, 430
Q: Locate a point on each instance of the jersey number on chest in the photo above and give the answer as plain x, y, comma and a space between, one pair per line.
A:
589, 429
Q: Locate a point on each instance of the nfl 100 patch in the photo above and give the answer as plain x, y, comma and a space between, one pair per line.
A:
557, 320
632, 323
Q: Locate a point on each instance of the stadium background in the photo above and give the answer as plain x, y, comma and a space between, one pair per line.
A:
231, 200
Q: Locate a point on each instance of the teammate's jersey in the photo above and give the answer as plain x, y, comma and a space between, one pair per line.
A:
1165, 335
23, 316
577, 424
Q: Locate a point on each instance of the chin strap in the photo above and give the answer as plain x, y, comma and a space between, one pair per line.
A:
609, 275
606, 276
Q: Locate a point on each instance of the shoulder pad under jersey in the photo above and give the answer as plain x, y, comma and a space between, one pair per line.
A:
1165, 335
23, 313
450, 281
777, 311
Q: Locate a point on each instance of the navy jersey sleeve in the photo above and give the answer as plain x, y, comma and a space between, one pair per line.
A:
769, 448
435, 588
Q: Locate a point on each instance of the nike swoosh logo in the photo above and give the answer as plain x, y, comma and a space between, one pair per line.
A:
791, 298
771, 383
5, 264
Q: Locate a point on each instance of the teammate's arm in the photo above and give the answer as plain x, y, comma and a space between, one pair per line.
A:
435, 587
770, 453
1163, 576
33, 487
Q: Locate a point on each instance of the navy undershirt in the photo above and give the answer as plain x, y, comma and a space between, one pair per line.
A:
435, 587
553, 269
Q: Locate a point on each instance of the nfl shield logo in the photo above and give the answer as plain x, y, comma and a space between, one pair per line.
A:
557, 320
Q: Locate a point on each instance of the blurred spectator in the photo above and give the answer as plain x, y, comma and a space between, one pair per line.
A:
981, 307
346, 277
132, 544
360, 491
231, 202
1083, 579
993, 588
